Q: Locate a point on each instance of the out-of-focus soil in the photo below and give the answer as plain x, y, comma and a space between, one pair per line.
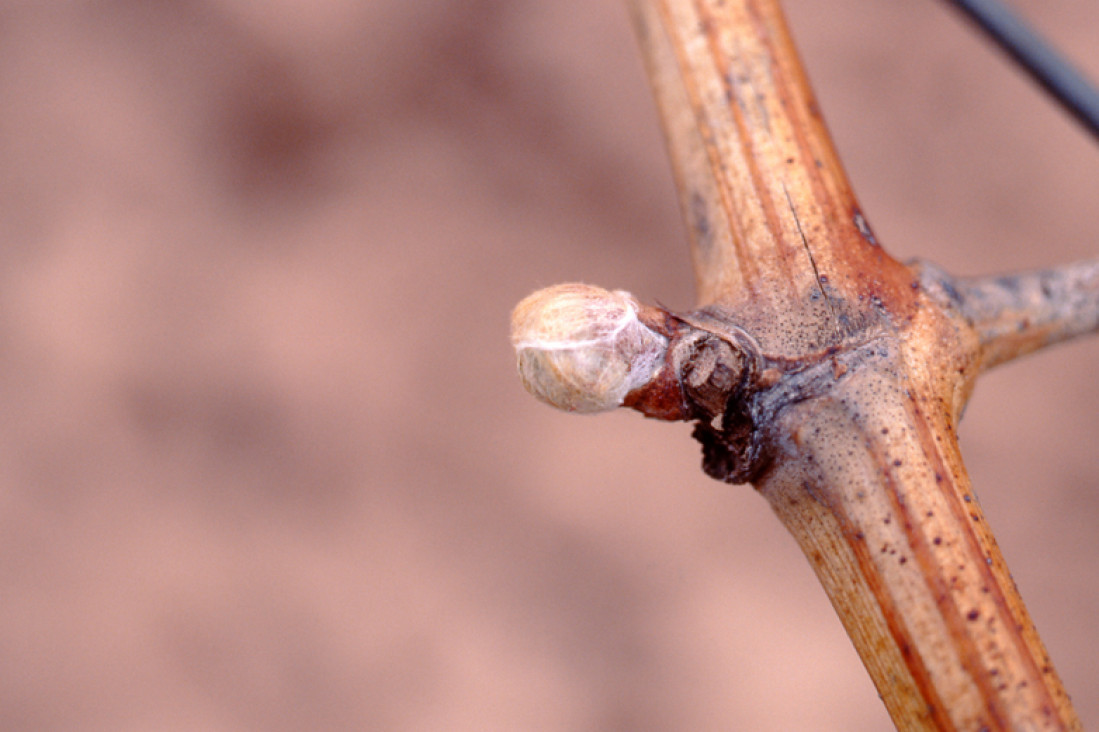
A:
264, 461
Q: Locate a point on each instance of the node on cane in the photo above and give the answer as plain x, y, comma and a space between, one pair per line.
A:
582, 348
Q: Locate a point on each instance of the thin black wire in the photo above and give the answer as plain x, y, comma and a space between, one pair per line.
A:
1037, 57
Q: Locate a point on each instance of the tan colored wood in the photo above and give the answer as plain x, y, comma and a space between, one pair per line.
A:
872, 362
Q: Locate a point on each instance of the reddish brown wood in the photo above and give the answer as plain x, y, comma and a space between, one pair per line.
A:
869, 362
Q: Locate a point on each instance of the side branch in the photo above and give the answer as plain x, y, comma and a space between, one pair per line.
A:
1018, 314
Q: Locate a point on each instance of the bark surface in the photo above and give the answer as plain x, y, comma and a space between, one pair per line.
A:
866, 366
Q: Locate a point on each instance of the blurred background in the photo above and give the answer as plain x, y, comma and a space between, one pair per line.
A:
264, 460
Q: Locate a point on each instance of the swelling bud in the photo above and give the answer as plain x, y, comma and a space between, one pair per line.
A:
582, 348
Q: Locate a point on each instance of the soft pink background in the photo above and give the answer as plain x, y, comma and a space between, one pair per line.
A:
264, 461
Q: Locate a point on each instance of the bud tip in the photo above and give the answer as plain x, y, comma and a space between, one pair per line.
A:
582, 348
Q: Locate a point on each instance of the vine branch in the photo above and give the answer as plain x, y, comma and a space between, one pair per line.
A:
823, 371
1018, 314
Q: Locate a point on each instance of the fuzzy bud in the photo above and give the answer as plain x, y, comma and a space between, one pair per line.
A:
582, 348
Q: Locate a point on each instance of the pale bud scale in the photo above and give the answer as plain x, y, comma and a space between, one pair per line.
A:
582, 348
